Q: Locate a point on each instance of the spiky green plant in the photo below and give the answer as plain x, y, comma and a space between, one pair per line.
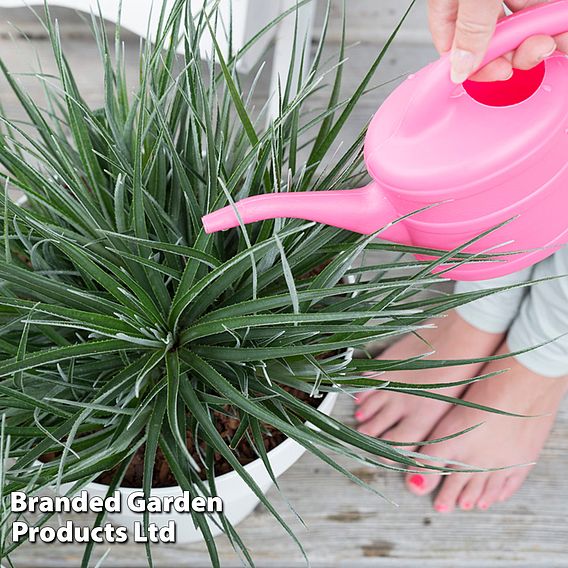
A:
124, 324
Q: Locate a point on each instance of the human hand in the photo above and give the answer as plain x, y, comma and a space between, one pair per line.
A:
465, 27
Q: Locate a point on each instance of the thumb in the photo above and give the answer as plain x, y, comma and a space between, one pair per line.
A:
475, 26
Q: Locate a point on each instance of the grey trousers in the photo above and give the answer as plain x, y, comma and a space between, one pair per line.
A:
530, 316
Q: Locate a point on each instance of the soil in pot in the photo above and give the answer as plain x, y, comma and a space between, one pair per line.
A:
226, 424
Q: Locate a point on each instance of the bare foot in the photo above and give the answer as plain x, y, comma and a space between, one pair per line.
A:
406, 418
501, 441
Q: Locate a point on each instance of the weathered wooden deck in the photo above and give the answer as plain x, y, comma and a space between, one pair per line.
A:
351, 528
347, 526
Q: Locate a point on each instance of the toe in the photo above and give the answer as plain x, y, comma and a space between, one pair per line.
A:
423, 483
493, 488
471, 492
513, 483
384, 419
408, 430
452, 486
370, 406
362, 396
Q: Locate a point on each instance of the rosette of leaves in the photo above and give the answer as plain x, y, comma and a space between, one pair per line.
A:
123, 325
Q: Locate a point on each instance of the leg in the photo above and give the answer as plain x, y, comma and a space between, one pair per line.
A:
525, 389
476, 330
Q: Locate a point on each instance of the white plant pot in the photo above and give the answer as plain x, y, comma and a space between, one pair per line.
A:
238, 499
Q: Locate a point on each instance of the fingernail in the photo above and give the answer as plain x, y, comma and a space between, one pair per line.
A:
358, 415
463, 65
441, 508
417, 481
547, 54
509, 76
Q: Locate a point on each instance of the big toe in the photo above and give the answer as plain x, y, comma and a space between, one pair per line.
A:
422, 483
425, 483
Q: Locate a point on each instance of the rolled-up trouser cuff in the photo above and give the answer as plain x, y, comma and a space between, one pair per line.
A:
550, 360
544, 318
494, 313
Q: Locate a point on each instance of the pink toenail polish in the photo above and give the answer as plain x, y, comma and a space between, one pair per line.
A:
359, 415
441, 508
467, 506
483, 506
417, 481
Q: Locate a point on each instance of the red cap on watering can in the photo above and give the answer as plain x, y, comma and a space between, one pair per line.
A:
480, 154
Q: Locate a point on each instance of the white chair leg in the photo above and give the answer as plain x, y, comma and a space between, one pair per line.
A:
283, 48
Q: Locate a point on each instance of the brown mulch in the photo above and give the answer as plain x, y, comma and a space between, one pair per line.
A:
226, 424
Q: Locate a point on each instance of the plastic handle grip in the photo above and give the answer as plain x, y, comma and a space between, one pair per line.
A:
549, 19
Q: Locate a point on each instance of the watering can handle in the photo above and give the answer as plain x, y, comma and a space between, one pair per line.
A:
550, 19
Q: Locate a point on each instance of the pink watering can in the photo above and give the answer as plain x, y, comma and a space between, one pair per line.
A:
484, 153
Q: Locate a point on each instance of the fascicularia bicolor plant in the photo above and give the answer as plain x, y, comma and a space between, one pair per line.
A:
125, 326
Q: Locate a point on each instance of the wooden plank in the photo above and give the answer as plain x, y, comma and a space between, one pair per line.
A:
373, 21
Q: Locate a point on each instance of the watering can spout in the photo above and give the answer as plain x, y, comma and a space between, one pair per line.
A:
364, 210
